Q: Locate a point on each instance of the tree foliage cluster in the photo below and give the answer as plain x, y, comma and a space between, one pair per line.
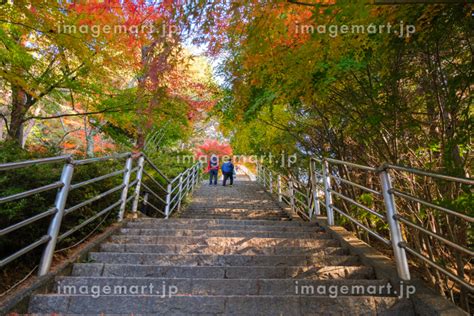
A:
366, 98
118, 68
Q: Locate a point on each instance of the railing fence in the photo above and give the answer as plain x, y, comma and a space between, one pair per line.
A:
329, 186
174, 191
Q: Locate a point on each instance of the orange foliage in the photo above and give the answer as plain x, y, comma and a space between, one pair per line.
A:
213, 147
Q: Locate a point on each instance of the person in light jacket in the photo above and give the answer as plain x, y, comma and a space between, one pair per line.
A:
213, 169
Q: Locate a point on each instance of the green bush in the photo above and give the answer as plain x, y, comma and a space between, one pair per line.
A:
23, 179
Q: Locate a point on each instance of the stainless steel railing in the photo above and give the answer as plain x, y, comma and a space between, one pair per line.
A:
170, 192
173, 190
329, 186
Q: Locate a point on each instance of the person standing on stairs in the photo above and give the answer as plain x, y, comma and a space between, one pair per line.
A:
213, 169
228, 172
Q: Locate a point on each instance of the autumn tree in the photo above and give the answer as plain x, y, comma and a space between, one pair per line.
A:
213, 147
59, 60
364, 97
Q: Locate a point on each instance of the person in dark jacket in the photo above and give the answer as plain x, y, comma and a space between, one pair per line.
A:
213, 169
228, 172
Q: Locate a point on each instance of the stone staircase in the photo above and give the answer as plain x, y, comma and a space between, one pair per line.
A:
233, 251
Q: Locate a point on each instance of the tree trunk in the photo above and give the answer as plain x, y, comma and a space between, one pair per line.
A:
141, 92
21, 103
90, 143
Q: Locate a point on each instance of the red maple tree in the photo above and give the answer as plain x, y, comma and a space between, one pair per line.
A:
213, 147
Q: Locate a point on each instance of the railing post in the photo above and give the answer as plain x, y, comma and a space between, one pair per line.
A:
257, 169
126, 182
264, 178
191, 179
198, 173
280, 198
270, 182
141, 164
292, 195
316, 210
316, 206
168, 200
195, 176
395, 231
146, 196
188, 181
327, 192
55, 224
180, 192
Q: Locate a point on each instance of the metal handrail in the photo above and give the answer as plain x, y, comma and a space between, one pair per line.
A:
97, 179
348, 199
153, 193
357, 185
93, 199
431, 205
188, 180
25, 250
27, 163
91, 219
154, 180
175, 189
441, 238
382, 239
100, 159
27, 221
153, 206
350, 164
437, 267
320, 182
429, 174
24, 194
148, 160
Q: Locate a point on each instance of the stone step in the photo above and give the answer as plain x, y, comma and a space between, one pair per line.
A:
222, 241
210, 305
171, 225
210, 287
148, 220
217, 233
257, 207
330, 248
212, 272
219, 210
220, 260
238, 217
237, 208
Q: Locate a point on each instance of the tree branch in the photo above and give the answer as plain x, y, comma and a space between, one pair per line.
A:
76, 114
6, 121
307, 4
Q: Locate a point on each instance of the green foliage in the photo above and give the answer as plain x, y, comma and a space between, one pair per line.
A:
22, 179
364, 98
172, 162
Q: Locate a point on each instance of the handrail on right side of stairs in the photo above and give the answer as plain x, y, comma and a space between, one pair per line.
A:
327, 183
